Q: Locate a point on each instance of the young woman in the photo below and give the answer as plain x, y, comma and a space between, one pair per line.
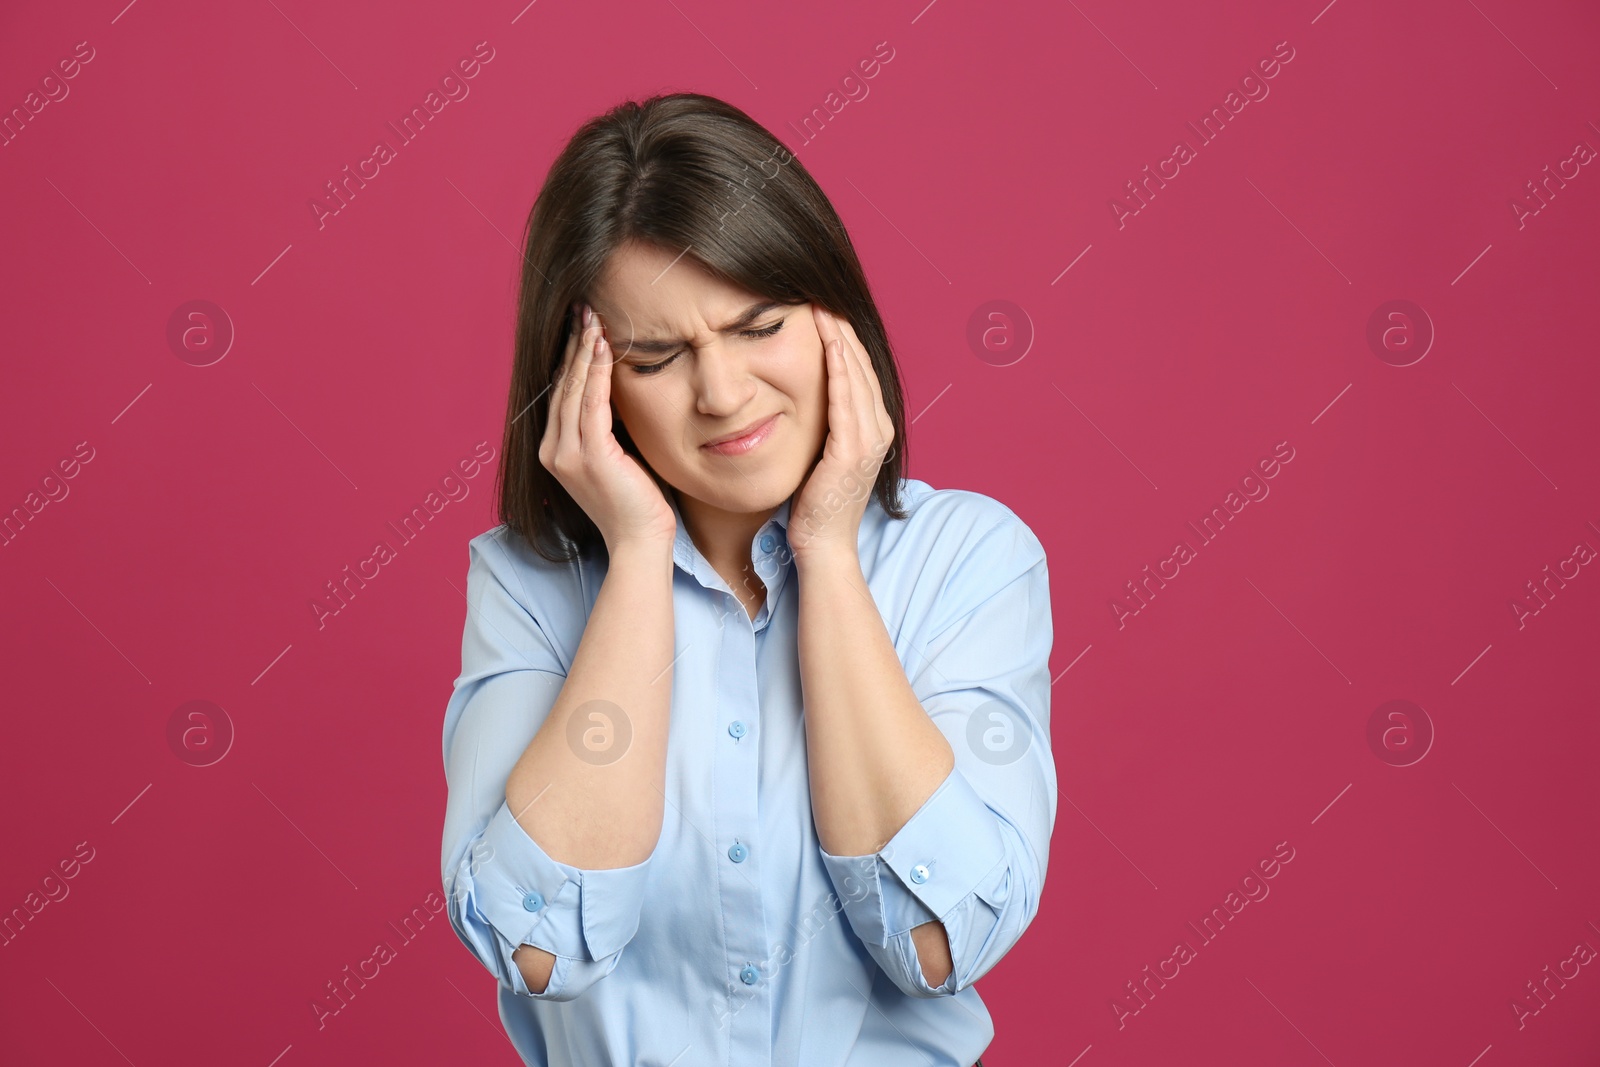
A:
748, 761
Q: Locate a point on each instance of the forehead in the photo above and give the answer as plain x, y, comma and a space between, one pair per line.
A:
653, 290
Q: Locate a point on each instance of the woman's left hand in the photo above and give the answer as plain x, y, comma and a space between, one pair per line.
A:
826, 516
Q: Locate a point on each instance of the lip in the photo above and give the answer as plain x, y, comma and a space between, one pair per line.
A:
742, 441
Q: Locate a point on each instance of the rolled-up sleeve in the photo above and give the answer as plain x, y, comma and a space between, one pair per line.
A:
974, 855
503, 890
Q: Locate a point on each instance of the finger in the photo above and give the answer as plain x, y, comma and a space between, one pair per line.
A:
881, 425
862, 415
571, 398
852, 343
552, 393
836, 366
840, 428
826, 329
569, 343
595, 413
863, 357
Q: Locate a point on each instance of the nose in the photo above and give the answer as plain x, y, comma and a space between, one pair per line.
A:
722, 382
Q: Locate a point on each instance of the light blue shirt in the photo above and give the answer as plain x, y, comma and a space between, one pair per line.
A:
739, 940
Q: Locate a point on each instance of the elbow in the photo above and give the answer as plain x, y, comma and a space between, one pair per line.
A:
526, 970
545, 976
941, 959
932, 954
536, 965
900, 960
914, 983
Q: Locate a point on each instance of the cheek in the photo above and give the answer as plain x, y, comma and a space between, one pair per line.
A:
644, 410
816, 377
625, 412
804, 370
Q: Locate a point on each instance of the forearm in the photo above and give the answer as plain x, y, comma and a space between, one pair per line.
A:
602, 809
600, 813
875, 756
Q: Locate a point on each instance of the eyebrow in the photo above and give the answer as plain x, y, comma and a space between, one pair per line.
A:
745, 318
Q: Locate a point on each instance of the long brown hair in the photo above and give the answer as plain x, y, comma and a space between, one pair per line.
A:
681, 171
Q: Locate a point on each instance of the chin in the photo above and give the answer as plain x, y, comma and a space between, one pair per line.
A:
757, 491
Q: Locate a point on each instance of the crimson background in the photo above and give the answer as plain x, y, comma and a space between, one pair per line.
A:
1229, 314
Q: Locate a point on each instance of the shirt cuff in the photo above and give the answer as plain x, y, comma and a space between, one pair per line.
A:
531, 898
936, 860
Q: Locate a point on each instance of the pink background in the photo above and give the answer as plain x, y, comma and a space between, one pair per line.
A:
1230, 313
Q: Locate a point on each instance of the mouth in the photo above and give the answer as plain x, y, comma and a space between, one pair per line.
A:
742, 441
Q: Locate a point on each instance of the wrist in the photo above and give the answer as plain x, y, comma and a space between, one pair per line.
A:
645, 551
827, 558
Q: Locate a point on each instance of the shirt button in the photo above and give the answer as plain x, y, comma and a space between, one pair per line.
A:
767, 542
749, 975
919, 873
738, 852
532, 902
736, 728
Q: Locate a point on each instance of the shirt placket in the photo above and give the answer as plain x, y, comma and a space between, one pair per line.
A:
738, 850
735, 769
770, 561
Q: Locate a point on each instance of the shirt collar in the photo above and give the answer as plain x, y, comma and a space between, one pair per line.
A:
781, 516
683, 546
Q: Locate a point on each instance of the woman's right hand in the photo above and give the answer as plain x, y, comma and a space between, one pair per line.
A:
613, 489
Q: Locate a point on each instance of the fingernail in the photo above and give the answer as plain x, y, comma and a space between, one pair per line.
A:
588, 315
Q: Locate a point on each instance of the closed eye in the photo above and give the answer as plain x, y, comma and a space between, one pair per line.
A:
752, 334
764, 331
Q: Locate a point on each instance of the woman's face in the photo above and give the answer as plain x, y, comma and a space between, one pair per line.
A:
717, 370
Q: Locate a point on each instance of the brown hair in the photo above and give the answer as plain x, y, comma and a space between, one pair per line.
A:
680, 171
